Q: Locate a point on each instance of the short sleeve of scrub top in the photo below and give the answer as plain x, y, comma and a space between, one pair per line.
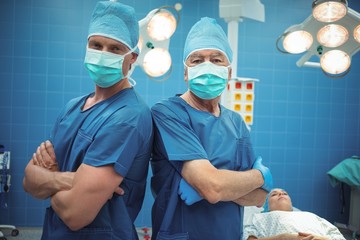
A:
114, 143
180, 141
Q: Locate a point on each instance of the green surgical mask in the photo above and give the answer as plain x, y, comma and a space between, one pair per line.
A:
207, 80
105, 68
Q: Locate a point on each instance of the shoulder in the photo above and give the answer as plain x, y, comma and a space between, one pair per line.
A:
173, 102
172, 107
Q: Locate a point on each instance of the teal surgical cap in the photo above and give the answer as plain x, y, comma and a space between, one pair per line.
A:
116, 21
207, 34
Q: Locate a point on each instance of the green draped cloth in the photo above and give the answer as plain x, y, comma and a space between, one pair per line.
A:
347, 171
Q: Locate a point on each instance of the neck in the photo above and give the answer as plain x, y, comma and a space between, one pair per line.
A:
211, 106
102, 94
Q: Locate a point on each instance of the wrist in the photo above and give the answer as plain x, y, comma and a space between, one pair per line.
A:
259, 178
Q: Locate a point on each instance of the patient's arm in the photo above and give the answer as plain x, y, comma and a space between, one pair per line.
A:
284, 236
288, 236
254, 198
309, 236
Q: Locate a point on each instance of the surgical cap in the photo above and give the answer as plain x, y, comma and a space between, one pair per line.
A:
266, 204
116, 21
207, 34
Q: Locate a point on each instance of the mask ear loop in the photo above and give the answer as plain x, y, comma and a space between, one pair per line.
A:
132, 81
131, 70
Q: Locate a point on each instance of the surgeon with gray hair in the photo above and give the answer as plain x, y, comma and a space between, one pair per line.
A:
204, 166
94, 165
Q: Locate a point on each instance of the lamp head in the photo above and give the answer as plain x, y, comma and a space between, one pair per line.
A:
162, 25
329, 10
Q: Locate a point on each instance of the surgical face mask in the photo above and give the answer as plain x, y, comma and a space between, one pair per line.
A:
207, 80
105, 68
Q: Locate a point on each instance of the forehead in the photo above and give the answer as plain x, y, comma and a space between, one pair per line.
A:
277, 190
106, 41
205, 53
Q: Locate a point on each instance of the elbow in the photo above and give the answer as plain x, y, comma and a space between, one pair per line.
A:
75, 223
212, 193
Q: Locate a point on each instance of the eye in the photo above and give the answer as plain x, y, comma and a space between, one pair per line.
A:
95, 45
217, 61
116, 49
196, 61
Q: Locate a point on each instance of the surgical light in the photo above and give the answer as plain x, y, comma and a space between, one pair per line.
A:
297, 42
357, 33
162, 25
329, 11
332, 35
156, 29
335, 62
331, 32
157, 62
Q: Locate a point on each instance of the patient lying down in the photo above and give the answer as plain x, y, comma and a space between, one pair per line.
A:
279, 221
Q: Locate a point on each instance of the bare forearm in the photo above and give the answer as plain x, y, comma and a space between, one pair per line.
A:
284, 236
254, 198
220, 184
234, 185
42, 183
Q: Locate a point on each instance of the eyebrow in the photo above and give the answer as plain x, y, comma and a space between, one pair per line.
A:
196, 55
278, 191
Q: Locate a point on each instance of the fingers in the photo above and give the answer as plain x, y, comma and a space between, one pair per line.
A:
39, 158
35, 160
119, 191
45, 156
50, 150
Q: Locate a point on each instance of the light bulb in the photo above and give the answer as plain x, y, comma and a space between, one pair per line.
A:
335, 62
332, 35
157, 62
297, 42
329, 11
357, 33
161, 26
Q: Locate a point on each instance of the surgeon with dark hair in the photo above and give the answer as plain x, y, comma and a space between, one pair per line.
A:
94, 165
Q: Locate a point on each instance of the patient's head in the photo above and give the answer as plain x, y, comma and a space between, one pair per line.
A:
279, 199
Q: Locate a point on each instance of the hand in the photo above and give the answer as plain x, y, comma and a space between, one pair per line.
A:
119, 191
187, 193
45, 156
288, 236
268, 180
309, 236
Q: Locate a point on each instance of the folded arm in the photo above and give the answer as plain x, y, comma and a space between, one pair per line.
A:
42, 178
254, 198
92, 187
42, 183
221, 185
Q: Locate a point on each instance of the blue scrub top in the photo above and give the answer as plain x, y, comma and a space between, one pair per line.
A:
116, 131
183, 133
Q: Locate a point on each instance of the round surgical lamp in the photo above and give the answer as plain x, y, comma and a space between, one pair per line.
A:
297, 41
162, 25
335, 62
332, 35
157, 62
329, 10
357, 34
